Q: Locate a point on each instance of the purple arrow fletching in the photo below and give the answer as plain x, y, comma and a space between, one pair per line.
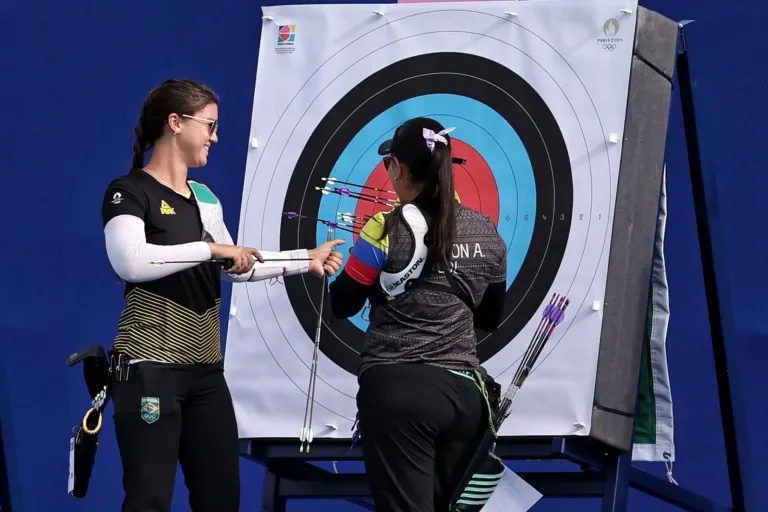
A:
558, 316
344, 191
292, 215
548, 311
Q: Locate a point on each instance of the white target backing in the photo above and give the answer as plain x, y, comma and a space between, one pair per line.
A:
538, 100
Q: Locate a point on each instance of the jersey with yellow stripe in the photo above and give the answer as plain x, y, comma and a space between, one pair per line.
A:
174, 318
370, 252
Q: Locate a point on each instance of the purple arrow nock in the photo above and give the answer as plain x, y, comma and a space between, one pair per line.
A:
355, 432
558, 316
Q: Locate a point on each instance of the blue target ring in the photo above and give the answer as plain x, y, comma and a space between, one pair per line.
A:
497, 114
477, 125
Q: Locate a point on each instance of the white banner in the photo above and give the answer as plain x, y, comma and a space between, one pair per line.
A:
537, 92
654, 422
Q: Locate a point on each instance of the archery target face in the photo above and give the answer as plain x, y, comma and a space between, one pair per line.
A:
538, 165
506, 123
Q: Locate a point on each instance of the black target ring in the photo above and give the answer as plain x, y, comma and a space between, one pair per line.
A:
438, 73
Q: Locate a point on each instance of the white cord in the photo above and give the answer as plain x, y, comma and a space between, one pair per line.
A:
668, 463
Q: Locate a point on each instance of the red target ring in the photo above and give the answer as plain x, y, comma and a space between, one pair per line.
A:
474, 182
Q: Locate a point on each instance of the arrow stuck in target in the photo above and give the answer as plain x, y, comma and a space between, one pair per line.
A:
334, 180
330, 223
344, 191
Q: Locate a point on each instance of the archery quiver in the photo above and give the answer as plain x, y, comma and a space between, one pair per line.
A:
485, 470
85, 440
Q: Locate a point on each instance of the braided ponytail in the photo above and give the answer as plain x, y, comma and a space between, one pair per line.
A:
139, 147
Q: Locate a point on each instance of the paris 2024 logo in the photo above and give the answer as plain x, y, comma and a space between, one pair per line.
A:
611, 40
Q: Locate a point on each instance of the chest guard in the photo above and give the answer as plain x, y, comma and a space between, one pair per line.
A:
211, 215
395, 284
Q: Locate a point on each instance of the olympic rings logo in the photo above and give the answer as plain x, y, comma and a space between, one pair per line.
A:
609, 47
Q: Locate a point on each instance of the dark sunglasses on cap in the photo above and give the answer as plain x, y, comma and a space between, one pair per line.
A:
454, 159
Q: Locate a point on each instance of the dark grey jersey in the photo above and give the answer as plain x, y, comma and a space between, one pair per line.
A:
429, 326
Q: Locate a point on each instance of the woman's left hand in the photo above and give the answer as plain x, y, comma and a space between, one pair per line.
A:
330, 266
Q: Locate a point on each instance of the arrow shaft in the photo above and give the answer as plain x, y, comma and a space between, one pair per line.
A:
367, 187
222, 261
358, 195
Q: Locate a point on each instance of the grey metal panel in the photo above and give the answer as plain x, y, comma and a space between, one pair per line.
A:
656, 36
634, 228
612, 428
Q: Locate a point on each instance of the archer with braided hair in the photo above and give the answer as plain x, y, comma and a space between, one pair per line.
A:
171, 401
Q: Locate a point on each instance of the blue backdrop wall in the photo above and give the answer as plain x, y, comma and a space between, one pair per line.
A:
74, 75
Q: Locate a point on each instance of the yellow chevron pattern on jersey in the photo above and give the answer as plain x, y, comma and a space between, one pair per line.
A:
154, 327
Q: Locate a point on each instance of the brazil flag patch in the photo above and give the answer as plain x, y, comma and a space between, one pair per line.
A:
150, 409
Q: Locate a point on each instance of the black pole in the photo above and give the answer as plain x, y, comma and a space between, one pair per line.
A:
5, 488
735, 448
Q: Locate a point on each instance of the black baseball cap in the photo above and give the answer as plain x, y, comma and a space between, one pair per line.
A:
408, 143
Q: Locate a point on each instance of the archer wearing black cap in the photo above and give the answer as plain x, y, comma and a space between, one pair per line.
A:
433, 270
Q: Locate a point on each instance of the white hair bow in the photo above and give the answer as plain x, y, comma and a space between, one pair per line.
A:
431, 136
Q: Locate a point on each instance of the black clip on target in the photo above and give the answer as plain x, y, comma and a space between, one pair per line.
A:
306, 429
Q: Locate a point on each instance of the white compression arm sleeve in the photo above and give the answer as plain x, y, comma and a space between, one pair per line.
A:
270, 269
130, 254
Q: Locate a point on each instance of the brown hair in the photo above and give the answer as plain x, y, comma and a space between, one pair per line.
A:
176, 96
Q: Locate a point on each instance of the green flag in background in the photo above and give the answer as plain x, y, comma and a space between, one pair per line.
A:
654, 425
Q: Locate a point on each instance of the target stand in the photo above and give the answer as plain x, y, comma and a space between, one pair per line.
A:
596, 471
340, 139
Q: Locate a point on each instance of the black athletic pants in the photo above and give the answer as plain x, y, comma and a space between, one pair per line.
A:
169, 412
419, 427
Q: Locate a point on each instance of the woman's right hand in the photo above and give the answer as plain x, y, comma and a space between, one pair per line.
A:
243, 258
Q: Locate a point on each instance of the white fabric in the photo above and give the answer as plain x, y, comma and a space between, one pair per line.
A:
269, 269
431, 137
663, 450
130, 254
513, 494
393, 284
